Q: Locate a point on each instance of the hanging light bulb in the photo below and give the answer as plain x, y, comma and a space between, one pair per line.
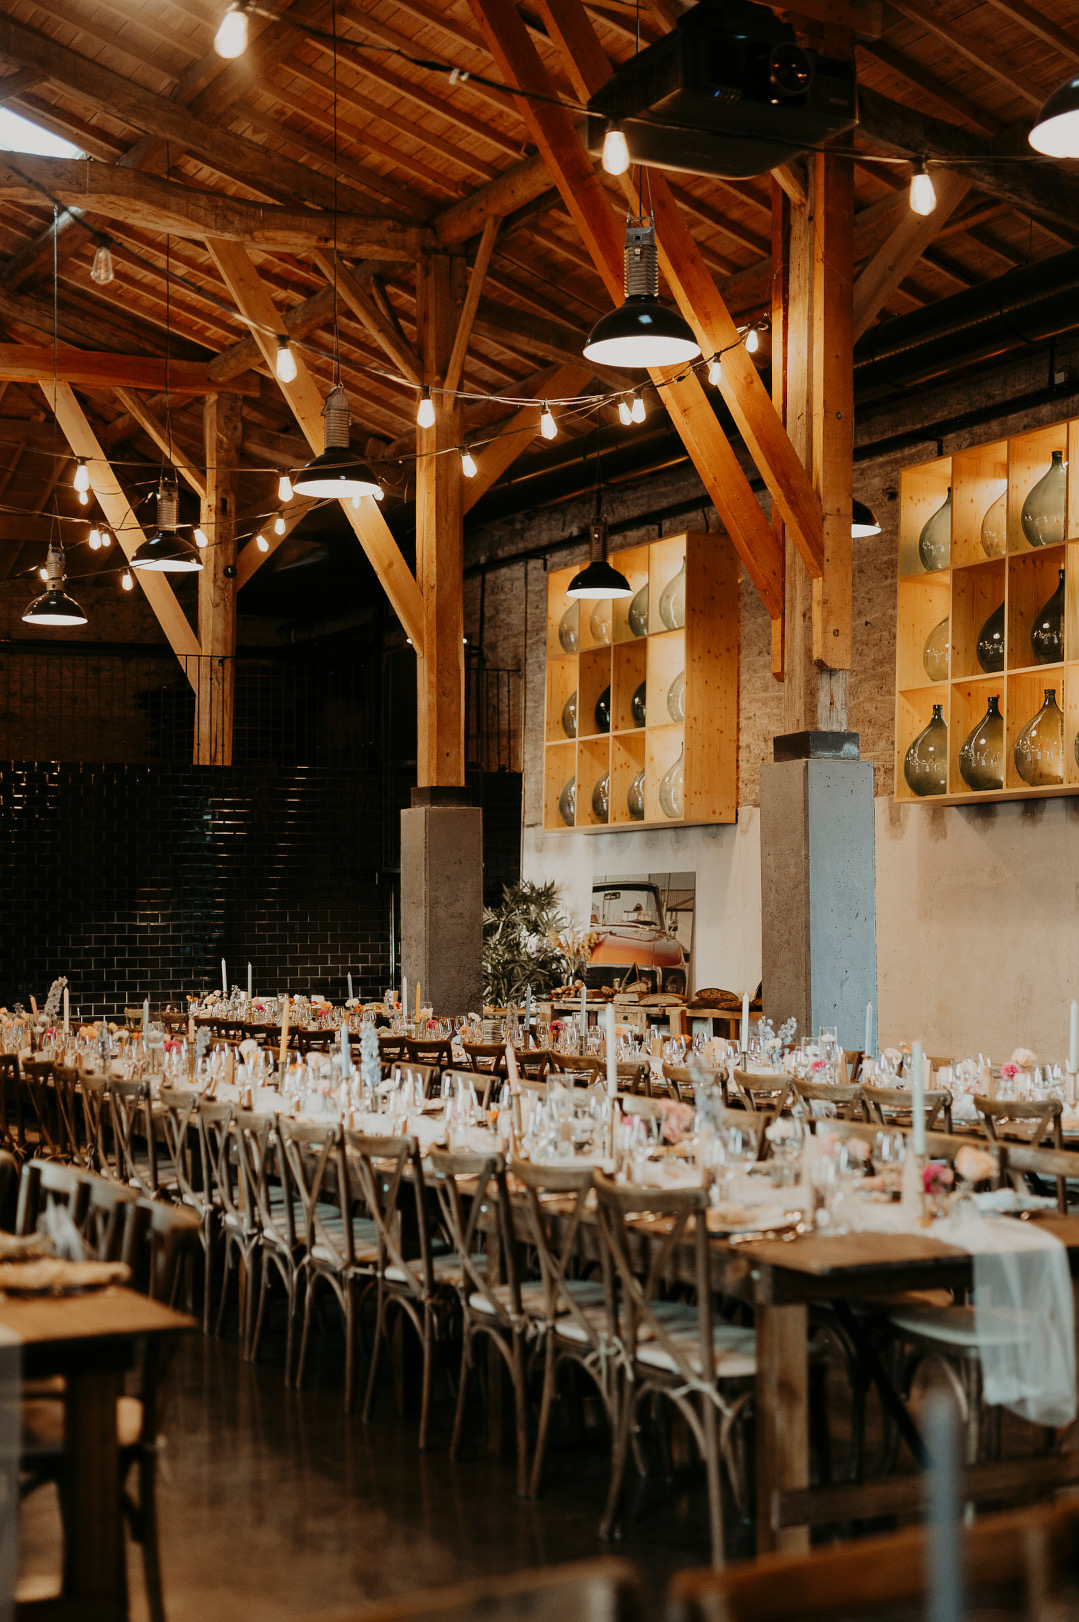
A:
126, 580
548, 426
625, 416
642, 331
54, 606
336, 470
753, 341
715, 372
923, 195
1056, 128
637, 412
615, 151
285, 365
202, 540
43, 573
261, 542
106, 539
425, 411
101, 270
84, 498
231, 38
166, 551
284, 488
468, 465
279, 524
81, 480
95, 539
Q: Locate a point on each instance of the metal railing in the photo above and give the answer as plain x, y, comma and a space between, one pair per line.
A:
493, 721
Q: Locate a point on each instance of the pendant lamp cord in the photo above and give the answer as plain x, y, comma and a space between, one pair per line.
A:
336, 325
55, 362
168, 328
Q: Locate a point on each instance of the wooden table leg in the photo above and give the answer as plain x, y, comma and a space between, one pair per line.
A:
782, 1417
94, 1561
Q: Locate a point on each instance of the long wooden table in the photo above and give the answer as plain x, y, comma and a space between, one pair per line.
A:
89, 1339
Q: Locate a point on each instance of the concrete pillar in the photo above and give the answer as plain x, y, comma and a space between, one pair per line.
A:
442, 899
818, 885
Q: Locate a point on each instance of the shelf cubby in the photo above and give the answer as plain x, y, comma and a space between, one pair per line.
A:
1029, 457
979, 478
976, 593
968, 703
630, 669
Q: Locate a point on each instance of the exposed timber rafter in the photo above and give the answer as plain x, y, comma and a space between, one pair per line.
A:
898, 255
137, 408
97, 370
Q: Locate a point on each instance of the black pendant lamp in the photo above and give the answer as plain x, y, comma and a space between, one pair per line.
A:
54, 606
863, 520
167, 551
642, 331
598, 579
336, 470
1056, 128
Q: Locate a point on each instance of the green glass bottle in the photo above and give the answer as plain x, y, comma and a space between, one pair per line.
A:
990, 645
935, 652
1039, 748
926, 764
1047, 632
981, 759
935, 541
1042, 517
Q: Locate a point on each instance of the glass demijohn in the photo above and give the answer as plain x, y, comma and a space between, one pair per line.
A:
601, 797
603, 711
676, 697
638, 612
672, 789
935, 541
1047, 632
1042, 517
635, 797
567, 803
995, 526
935, 652
602, 621
1039, 748
990, 645
569, 715
639, 704
926, 765
672, 602
981, 759
569, 627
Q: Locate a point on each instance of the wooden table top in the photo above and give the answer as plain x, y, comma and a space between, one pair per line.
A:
48, 1320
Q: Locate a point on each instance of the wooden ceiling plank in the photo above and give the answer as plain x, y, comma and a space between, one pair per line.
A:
119, 516
136, 407
372, 531
969, 47
455, 369
920, 77
703, 307
366, 311
687, 405
901, 252
1047, 30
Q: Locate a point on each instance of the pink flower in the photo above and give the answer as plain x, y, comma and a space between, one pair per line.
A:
172, 1046
1010, 1070
817, 1066
974, 1165
676, 1118
936, 1179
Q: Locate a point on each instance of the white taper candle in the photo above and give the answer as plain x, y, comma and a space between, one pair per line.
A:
612, 1057
917, 1103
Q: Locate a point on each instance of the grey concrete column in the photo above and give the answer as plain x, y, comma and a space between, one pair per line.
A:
442, 899
818, 885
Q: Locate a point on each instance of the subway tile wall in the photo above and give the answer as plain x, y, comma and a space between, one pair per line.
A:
135, 881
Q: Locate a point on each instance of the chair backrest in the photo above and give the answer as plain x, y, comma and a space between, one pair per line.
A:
473, 1198
555, 1199
432, 1051
98, 1207
215, 1124
679, 1079
427, 1075
392, 1047
1001, 1117
384, 1171
633, 1075
845, 1097
70, 1118
131, 1119
9, 1182
890, 1106
44, 1122
166, 1236
637, 1104
771, 1093
187, 1147
485, 1056
573, 1072
534, 1063
316, 1157
12, 1137
101, 1148
583, 1591
266, 1169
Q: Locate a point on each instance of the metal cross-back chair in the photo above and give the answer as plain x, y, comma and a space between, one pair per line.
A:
280, 1223
340, 1248
570, 1313
410, 1277
474, 1206
1034, 1121
187, 1147
891, 1106
673, 1349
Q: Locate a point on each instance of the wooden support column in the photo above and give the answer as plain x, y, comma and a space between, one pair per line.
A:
223, 431
440, 685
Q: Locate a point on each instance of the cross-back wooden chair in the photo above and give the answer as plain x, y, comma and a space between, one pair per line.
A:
474, 1206
486, 1056
428, 1075
1035, 1121
391, 1047
891, 1106
576, 1072
767, 1094
534, 1063
675, 1350
12, 1137
679, 1080
340, 1248
188, 1149
280, 1223
434, 1051
132, 1121
633, 1076
845, 1098
77, 1147
236, 1211
44, 1129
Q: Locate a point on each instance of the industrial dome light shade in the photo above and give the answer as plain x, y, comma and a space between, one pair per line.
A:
336, 470
1056, 129
598, 579
863, 520
167, 551
54, 606
642, 332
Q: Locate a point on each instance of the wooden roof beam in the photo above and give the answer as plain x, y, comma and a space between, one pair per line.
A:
517, 433
900, 253
968, 45
254, 302
97, 370
467, 316
920, 77
133, 404
366, 311
1059, 38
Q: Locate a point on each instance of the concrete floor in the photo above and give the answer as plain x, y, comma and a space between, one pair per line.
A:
274, 1505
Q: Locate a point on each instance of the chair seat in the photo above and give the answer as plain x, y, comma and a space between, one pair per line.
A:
533, 1297
43, 1425
734, 1347
957, 1326
331, 1249
447, 1270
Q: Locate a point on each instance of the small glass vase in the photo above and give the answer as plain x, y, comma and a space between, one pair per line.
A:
639, 704
603, 711
638, 612
635, 797
676, 697
569, 715
1047, 632
990, 644
672, 789
601, 798
935, 541
926, 764
569, 628
1039, 748
981, 759
672, 602
995, 526
1042, 517
567, 803
935, 652
602, 622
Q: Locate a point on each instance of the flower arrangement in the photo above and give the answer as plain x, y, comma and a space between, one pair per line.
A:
677, 1119
975, 1165
773, 1041
1021, 1060
937, 1178
818, 1066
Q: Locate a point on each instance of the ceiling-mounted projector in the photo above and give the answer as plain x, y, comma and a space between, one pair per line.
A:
729, 92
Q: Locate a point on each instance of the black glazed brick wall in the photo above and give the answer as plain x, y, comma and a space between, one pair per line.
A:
135, 881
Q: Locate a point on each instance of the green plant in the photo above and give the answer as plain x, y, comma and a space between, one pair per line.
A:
520, 946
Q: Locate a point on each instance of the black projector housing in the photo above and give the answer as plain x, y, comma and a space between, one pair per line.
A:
729, 92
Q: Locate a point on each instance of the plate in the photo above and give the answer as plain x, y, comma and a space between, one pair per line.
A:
731, 1218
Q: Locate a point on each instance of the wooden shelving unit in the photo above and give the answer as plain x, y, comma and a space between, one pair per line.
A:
968, 591
610, 656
